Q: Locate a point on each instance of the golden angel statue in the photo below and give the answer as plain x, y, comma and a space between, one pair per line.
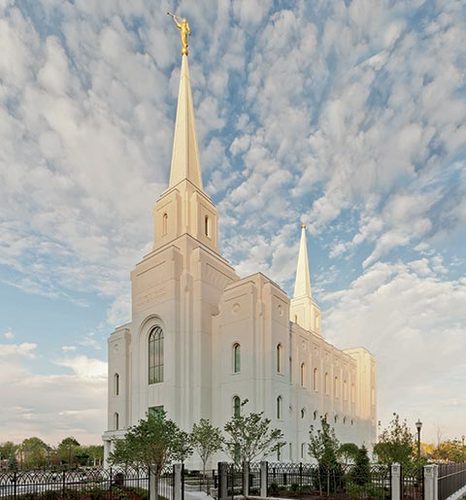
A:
183, 26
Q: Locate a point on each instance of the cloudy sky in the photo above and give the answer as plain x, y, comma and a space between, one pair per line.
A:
347, 115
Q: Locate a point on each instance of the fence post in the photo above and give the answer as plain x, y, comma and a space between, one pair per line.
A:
177, 486
152, 484
430, 492
396, 481
222, 480
245, 479
264, 478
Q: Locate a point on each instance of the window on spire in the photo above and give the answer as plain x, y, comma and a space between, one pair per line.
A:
236, 358
207, 226
155, 355
165, 224
116, 384
279, 358
279, 407
236, 406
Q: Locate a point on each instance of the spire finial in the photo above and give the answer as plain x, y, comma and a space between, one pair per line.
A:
303, 225
185, 31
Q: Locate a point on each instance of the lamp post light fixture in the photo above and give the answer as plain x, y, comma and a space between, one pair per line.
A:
418, 427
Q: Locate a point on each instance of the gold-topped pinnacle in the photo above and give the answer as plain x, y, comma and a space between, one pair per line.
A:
303, 226
183, 25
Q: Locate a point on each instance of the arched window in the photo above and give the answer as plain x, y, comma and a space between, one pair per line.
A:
315, 414
164, 224
155, 345
279, 358
116, 384
303, 412
303, 375
236, 358
336, 388
303, 449
316, 380
279, 407
327, 388
116, 421
207, 226
236, 406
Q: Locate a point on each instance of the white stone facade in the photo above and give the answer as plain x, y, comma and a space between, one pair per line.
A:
226, 337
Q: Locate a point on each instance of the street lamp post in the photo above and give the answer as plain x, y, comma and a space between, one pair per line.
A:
418, 427
462, 447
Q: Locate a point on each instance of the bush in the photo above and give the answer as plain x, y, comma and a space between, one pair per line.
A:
273, 489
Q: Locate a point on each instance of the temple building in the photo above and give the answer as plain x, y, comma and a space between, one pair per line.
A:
202, 339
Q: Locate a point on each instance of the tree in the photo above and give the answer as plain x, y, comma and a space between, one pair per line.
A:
96, 454
396, 443
67, 450
153, 443
361, 473
182, 447
451, 451
324, 446
206, 440
348, 452
250, 437
8, 450
34, 452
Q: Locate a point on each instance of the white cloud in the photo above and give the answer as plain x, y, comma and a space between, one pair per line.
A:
68, 348
410, 318
9, 335
25, 349
85, 368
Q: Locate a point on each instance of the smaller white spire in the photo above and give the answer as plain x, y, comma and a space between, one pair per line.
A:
302, 286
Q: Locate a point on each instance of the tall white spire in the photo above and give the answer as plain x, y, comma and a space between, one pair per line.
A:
185, 156
302, 286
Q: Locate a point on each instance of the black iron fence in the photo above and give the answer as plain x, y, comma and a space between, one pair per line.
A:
200, 481
451, 478
342, 481
88, 483
412, 482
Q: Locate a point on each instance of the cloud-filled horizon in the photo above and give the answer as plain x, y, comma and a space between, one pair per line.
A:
347, 115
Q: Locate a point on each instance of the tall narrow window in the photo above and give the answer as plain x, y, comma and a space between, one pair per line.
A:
236, 406
303, 449
327, 388
303, 375
116, 421
155, 345
165, 224
316, 380
345, 390
236, 358
207, 226
336, 388
116, 384
279, 358
279, 452
291, 452
279, 407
